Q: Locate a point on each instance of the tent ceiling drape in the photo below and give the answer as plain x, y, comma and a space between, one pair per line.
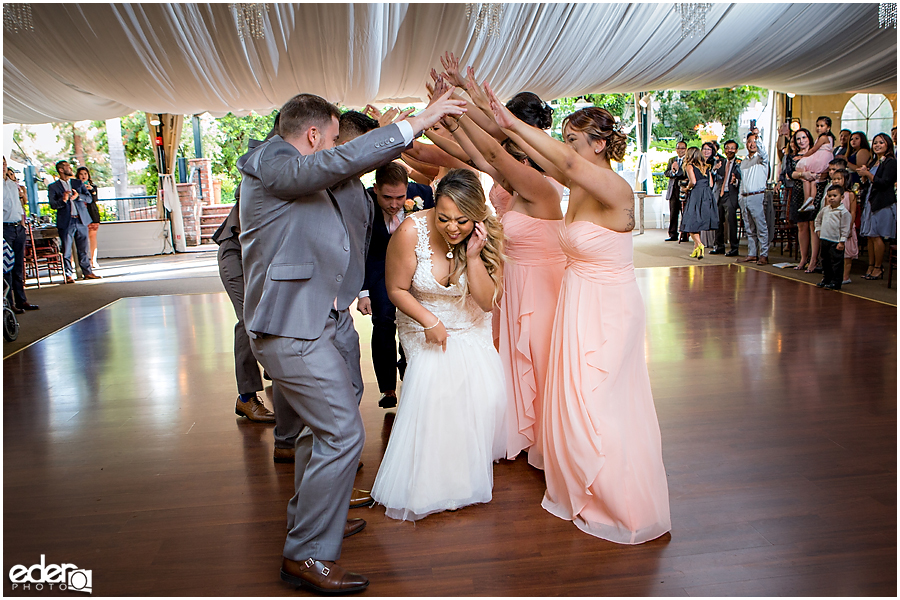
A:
98, 61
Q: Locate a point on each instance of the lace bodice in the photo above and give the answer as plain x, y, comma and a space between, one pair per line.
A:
464, 320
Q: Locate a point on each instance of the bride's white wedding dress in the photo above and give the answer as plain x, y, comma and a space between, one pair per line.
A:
450, 423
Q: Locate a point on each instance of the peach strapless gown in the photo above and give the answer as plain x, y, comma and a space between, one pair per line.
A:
602, 448
531, 279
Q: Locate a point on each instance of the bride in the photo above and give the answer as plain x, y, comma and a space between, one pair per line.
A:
444, 273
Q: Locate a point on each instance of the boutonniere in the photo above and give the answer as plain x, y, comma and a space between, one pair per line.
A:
413, 204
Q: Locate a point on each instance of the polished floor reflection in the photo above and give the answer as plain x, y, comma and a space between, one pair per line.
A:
777, 403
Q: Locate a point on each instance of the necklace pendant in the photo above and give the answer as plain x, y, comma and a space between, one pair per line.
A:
449, 255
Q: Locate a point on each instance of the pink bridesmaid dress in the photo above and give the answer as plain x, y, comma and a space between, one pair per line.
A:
602, 449
531, 278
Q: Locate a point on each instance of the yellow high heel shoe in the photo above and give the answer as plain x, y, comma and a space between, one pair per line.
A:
696, 252
700, 248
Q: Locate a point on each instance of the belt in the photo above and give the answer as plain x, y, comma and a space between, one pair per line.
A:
754, 193
12, 222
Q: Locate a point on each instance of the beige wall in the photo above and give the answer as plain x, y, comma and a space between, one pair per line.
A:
809, 108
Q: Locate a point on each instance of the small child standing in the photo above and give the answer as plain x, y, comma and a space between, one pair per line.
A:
851, 247
833, 226
816, 161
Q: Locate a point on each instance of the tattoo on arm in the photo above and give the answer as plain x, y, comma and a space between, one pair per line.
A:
630, 213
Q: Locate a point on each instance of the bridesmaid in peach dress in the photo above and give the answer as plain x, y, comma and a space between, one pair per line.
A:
602, 449
531, 277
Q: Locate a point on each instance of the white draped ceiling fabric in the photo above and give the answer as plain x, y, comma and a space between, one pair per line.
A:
98, 61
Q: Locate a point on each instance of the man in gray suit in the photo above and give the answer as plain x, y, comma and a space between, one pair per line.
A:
300, 278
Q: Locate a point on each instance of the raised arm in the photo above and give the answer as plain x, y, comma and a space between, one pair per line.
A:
430, 171
530, 184
602, 184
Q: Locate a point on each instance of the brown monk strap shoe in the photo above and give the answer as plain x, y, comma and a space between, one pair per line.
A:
254, 410
283, 455
763, 260
92, 276
323, 576
353, 526
361, 498
749, 259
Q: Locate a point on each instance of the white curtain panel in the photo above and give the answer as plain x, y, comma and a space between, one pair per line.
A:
98, 61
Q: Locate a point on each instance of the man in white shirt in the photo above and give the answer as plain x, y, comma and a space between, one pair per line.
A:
14, 234
754, 174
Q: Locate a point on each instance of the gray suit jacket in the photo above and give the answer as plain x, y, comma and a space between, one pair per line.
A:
296, 238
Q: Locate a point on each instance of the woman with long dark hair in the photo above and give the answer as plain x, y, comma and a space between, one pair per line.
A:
701, 212
84, 174
879, 217
807, 238
444, 272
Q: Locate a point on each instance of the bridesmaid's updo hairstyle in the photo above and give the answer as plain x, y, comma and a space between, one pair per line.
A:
529, 108
598, 124
463, 187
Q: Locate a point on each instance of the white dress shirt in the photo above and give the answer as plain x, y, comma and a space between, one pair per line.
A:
13, 211
755, 172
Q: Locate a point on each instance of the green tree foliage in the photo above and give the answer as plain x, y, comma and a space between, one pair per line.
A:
681, 111
619, 105
136, 140
231, 138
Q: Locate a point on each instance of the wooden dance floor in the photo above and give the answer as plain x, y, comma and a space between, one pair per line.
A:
777, 403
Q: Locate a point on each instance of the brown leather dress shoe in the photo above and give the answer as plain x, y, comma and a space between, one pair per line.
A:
92, 276
16, 309
361, 498
353, 526
749, 259
254, 410
323, 576
283, 455
69, 279
763, 260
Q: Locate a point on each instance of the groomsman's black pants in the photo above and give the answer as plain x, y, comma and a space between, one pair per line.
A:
674, 211
384, 340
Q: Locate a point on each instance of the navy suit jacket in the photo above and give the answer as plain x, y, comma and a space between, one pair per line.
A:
374, 279
56, 194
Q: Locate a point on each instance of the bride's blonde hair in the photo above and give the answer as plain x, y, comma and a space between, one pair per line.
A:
464, 189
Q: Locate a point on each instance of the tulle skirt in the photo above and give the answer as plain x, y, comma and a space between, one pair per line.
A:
450, 428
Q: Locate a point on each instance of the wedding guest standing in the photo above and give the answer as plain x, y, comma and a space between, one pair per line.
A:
675, 173
602, 448
14, 234
879, 217
807, 239
700, 207
93, 209
727, 175
754, 174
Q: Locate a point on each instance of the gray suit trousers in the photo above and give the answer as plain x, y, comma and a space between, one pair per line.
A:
246, 371
289, 431
318, 389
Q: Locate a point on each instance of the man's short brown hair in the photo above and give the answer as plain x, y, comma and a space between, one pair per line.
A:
392, 173
304, 111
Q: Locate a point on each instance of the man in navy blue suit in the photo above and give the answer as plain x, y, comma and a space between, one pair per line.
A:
390, 193
69, 198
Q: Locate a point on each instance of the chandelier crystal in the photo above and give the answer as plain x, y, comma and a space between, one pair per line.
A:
887, 15
486, 16
693, 18
250, 19
17, 17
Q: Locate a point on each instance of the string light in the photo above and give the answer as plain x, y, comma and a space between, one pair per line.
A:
250, 19
17, 18
887, 15
693, 18
486, 16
